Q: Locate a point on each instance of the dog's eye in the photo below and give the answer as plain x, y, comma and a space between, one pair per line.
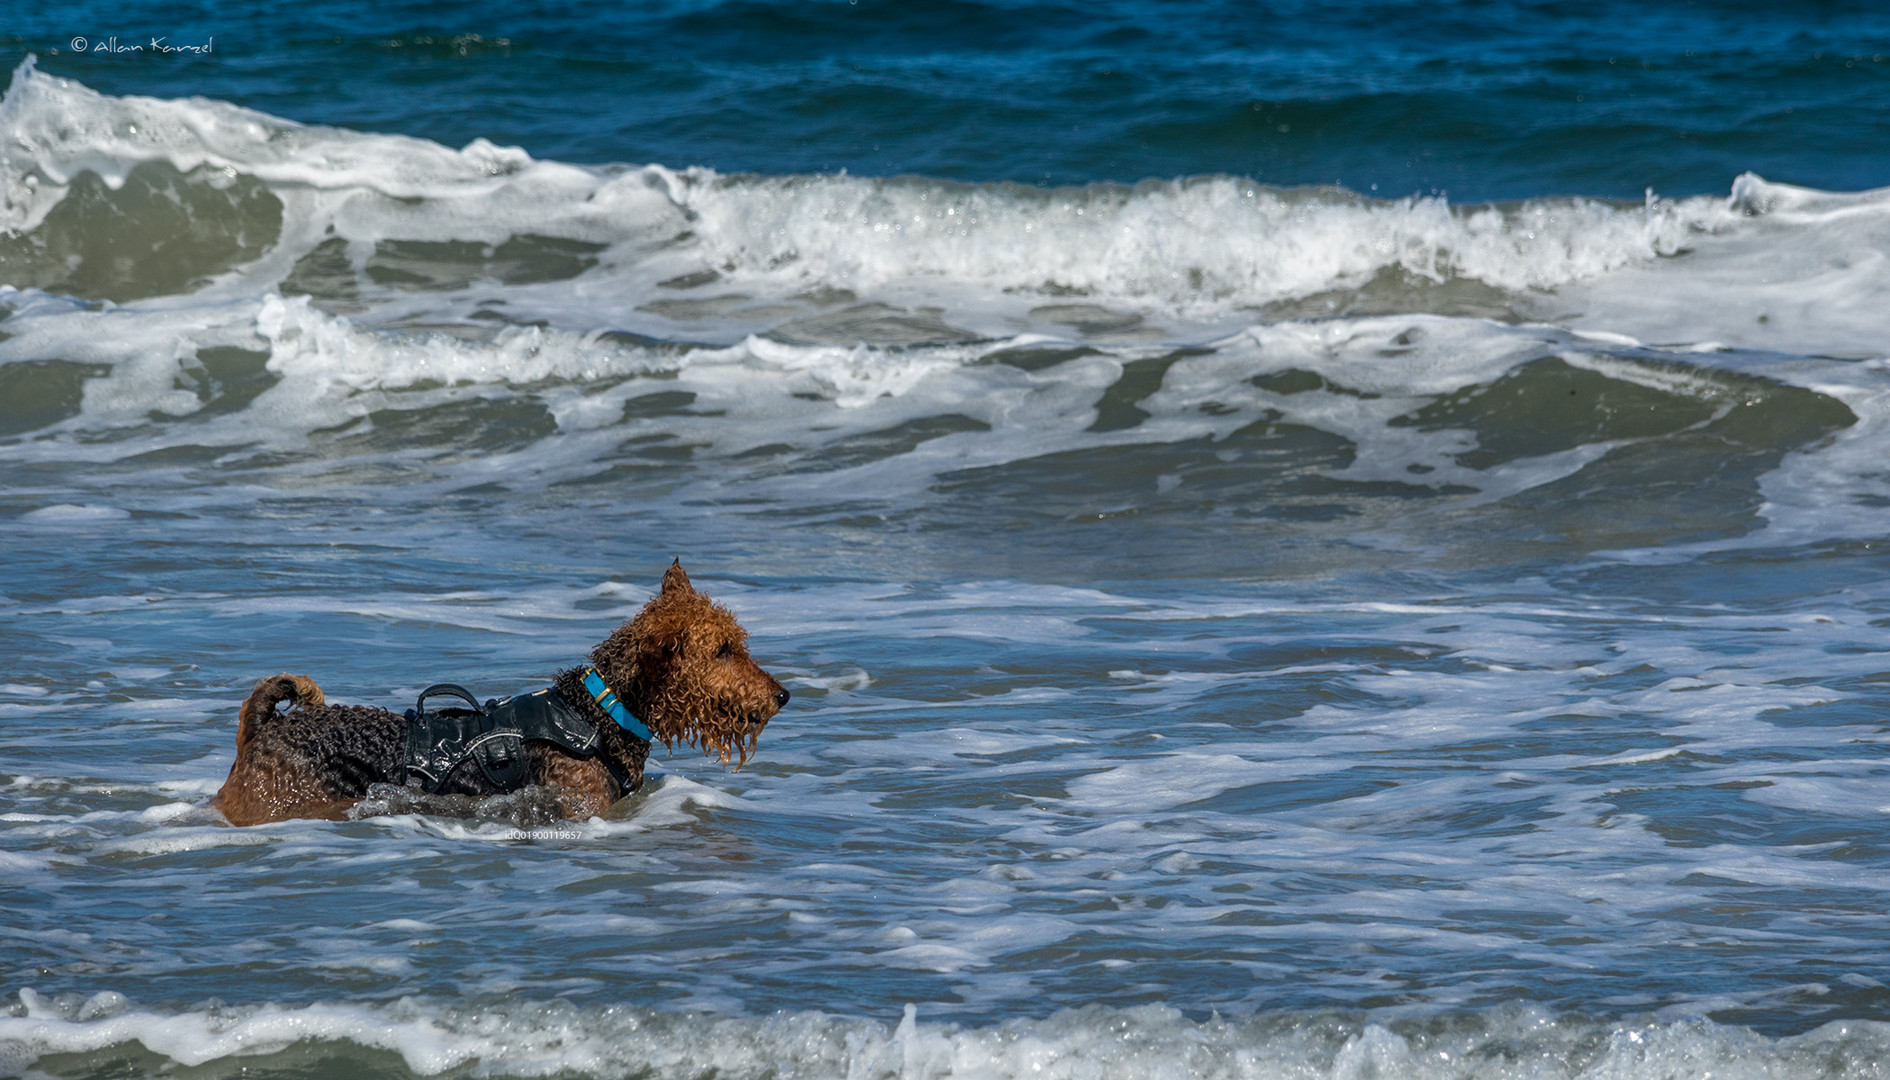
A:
727, 650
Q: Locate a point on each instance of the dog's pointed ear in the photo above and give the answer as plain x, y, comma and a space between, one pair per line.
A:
675, 580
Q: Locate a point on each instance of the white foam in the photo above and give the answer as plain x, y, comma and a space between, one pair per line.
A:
71, 514
1164, 781
197, 786
668, 799
1847, 796
373, 963
1144, 1043
1161, 245
315, 352
61, 128
1804, 274
176, 840
15, 863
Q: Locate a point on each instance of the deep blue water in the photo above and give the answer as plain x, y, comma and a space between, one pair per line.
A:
1483, 100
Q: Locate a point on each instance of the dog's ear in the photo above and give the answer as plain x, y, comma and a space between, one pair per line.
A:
675, 580
654, 658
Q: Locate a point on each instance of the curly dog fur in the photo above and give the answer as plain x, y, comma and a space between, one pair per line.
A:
681, 665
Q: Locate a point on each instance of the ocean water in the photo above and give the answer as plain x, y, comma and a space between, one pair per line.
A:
1307, 542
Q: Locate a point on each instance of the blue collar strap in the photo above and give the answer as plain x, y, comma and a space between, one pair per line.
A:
607, 700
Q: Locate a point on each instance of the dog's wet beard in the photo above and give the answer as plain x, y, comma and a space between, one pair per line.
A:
733, 741
727, 737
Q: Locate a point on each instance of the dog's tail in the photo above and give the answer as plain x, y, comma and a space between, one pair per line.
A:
269, 693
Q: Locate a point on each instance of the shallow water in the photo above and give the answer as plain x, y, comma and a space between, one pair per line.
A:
1235, 628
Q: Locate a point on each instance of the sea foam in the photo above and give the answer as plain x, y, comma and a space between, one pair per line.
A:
1152, 1042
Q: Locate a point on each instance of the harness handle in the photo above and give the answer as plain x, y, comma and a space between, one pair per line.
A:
447, 689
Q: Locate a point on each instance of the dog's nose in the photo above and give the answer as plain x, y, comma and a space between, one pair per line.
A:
780, 697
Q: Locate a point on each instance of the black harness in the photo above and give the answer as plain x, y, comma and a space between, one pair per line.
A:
493, 735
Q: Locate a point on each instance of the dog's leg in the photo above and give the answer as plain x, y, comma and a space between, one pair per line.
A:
583, 786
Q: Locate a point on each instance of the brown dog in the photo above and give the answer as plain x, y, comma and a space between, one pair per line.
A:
681, 667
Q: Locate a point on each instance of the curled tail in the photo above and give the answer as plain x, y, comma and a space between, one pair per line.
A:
269, 693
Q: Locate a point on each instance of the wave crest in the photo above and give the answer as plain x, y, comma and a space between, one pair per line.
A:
656, 248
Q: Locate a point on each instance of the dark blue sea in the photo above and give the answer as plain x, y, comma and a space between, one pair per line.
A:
1309, 542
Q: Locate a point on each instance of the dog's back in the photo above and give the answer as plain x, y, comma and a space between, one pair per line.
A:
314, 760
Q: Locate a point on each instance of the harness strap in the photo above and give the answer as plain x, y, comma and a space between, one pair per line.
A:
493, 735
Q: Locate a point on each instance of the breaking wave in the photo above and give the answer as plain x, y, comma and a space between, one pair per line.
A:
197, 190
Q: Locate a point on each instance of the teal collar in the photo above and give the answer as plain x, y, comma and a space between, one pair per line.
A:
607, 700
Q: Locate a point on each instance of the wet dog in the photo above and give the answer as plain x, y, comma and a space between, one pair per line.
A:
679, 671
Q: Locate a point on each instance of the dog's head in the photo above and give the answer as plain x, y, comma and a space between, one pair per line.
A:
682, 667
